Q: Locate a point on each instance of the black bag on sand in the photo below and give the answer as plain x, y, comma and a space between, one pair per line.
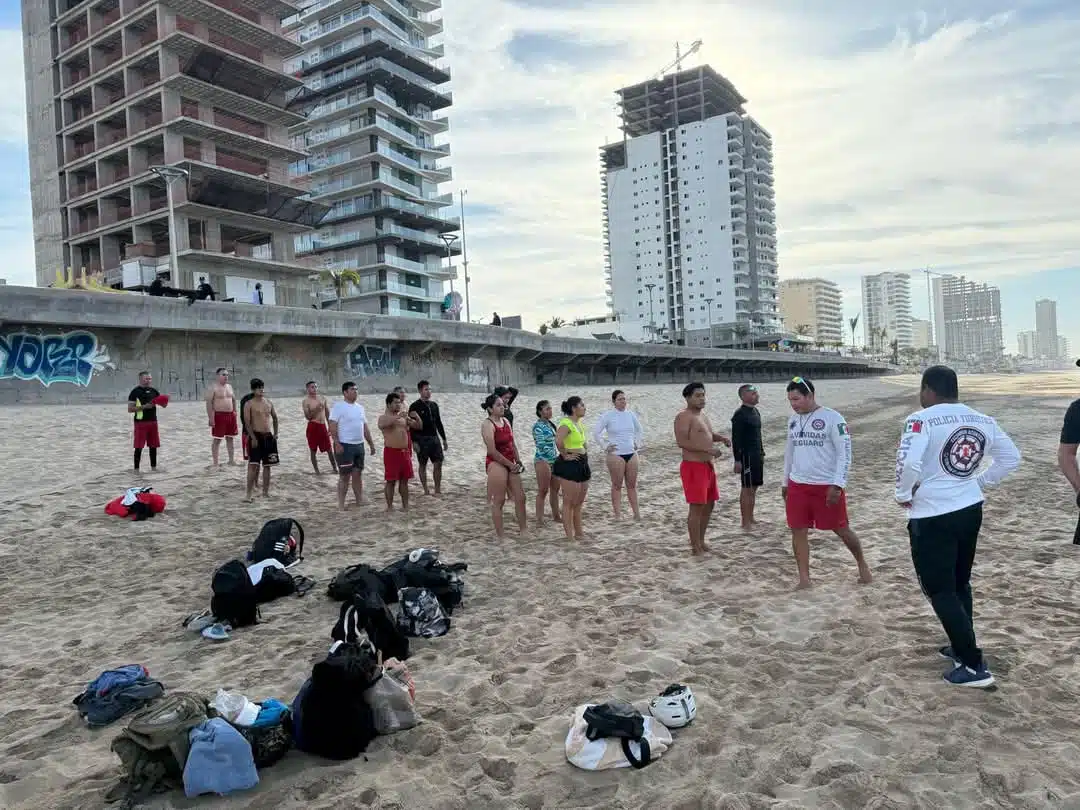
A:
153, 748
274, 584
367, 615
274, 541
234, 600
357, 580
422, 568
331, 716
621, 720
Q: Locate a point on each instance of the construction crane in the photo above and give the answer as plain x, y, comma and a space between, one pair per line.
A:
695, 46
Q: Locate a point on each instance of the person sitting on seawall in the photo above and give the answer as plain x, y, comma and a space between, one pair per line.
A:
572, 466
624, 439
503, 465
547, 485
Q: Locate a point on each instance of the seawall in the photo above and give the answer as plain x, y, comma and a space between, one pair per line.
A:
75, 345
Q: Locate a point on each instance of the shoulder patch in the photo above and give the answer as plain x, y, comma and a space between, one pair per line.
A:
842, 429
913, 426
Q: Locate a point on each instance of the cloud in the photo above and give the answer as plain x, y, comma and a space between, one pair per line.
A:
903, 138
12, 92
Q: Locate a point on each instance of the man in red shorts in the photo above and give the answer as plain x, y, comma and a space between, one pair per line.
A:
695, 437
817, 458
397, 460
144, 410
317, 413
221, 414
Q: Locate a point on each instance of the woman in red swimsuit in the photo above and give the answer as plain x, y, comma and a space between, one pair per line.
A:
503, 465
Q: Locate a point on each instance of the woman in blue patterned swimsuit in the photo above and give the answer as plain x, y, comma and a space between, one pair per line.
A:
546, 453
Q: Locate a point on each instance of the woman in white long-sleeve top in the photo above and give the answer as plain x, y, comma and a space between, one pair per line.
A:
624, 438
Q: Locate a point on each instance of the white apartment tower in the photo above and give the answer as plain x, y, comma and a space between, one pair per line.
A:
967, 319
689, 212
372, 92
1046, 329
886, 312
813, 306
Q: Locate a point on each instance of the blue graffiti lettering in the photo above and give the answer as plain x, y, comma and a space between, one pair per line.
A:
71, 357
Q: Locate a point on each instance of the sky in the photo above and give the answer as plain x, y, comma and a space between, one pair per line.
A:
905, 136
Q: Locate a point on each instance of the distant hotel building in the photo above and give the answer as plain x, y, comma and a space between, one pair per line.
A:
372, 96
921, 334
815, 304
1027, 345
967, 319
886, 312
689, 211
1046, 331
115, 89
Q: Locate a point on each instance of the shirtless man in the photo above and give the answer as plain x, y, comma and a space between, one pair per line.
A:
261, 424
397, 458
221, 413
695, 437
317, 413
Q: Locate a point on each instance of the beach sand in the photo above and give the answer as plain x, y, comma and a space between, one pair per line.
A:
827, 699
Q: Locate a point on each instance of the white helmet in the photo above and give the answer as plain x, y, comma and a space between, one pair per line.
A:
675, 707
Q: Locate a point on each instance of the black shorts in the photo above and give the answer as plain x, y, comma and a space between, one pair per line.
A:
263, 451
428, 448
350, 459
576, 470
753, 471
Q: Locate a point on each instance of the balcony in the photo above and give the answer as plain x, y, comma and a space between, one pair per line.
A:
238, 22
404, 81
356, 19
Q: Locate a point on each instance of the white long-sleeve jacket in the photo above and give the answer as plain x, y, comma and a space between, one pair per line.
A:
818, 449
623, 430
943, 449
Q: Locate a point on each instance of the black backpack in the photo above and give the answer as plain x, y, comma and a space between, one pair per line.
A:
273, 541
274, 584
356, 580
368, 614
234, 600
622, 721
331, 716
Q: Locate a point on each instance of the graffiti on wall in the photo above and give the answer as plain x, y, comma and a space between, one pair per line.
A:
476, 375
68, 357
373, 361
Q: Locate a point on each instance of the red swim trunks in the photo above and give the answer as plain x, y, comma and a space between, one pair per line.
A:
146, 435
318, 437
397, 462
699, 482
807, 508
224, 424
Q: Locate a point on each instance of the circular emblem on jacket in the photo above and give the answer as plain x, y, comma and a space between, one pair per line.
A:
818, 424
963, 451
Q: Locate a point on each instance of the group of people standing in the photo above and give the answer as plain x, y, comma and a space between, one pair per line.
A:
560, 460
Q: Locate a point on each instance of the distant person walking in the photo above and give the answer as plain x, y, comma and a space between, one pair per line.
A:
503, 464
349, 430
317, 413
142, 405
261, 425
547, 485
817, 460
697, 440
257, 294
572, 466
749, 452
940, 481
430, 438
221, 413
1067, 461
496, 320
619, 432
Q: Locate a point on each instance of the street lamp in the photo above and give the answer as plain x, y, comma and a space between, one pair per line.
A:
464, 252
709, 302
448, 240
652, 322
170, 174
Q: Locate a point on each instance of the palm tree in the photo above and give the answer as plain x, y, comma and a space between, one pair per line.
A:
802, 329
884, 336
543, 329
339, 278
556, 322
853, 322
895, 346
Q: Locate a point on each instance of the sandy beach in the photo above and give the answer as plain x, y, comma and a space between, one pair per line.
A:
831, 698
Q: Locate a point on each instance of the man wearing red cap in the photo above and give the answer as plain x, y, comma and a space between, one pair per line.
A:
142, 403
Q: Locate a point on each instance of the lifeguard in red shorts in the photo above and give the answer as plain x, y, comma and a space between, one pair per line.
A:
143, 402
817, 459
317, 413
695, 437
397, 458
221, 414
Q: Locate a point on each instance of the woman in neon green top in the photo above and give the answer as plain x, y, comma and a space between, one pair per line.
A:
572, 466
